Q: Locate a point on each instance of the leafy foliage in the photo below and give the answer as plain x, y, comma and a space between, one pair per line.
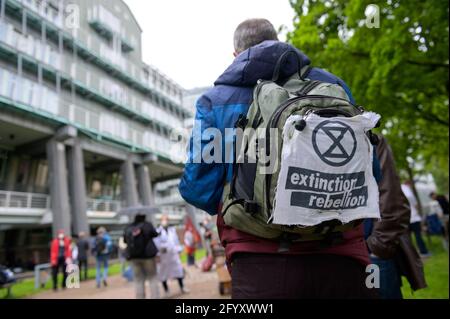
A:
399, 70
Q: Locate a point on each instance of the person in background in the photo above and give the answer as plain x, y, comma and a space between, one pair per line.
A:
169, 248
388, 238
83, 251
189, 246
436, 222
60, 257
122, 247
191, 238
415, 220
74, 249
101, 249
207, 227
141, 252
434, 219
443, 203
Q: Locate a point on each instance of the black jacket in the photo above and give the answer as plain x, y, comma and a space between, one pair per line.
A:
149, 232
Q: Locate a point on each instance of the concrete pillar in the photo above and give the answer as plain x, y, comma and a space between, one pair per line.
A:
59, 190
13, 170
128, 187
77, 186
145, 185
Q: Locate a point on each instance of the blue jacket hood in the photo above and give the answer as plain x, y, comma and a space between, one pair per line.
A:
259, 62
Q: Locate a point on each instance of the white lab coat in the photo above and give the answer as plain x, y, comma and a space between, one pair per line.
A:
170, 266
415, 217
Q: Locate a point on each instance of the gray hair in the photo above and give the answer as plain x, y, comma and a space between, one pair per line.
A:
252, 32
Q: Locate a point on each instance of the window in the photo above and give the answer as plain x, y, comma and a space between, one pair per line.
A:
11, 85
36, 100
49, 101
27, 95
42, 174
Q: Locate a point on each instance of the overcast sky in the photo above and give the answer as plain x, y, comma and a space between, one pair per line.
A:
192, 41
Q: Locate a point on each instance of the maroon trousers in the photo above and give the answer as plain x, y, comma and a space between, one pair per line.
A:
264, 276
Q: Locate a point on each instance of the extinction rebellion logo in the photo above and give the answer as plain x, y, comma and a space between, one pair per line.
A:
335, 143
337, 146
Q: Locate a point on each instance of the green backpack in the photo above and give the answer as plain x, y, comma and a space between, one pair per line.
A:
249, 200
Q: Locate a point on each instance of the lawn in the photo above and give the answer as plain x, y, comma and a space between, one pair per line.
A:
25, 288
199, 255
436, 274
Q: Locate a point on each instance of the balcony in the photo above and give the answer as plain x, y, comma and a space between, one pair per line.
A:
78, 75
47, 9
107, 26
103, 207
104, 91
88, 47
30, 96
30, 201
30, 208
172, 199
29, 45
22, 208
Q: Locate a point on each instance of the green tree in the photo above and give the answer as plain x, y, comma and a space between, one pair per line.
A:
399, 70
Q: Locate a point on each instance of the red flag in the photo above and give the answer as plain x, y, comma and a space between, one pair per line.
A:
188, 225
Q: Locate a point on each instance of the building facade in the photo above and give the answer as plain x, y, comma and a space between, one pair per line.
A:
84, 122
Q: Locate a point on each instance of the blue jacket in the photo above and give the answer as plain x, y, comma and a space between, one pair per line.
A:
108, 243
202, 183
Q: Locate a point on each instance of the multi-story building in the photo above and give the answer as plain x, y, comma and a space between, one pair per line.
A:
84, 122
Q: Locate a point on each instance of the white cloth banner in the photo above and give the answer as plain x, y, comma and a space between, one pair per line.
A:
326, 171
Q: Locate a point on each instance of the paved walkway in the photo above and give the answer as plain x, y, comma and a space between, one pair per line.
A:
201, 286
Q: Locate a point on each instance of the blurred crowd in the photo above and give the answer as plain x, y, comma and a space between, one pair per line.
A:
147, 254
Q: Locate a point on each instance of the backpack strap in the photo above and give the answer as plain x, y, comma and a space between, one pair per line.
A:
307, 88
250, 207
282, 60
305, 72
325, 234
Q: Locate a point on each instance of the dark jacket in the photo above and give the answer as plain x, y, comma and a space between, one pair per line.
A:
390, 237
202, 183
394, 207
149, 232
443, 202
83, 249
